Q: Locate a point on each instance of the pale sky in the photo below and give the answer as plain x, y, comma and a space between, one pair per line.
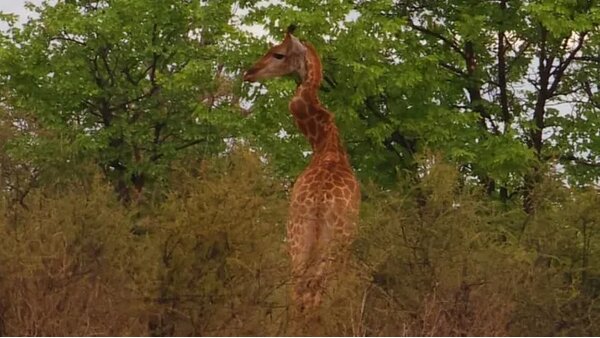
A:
16, 6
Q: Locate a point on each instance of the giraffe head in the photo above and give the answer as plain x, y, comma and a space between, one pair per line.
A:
280, 60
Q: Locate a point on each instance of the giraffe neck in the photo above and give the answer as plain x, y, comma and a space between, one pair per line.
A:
315, 122
311, 70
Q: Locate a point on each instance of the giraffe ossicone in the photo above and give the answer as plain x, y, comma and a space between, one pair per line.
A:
325, 199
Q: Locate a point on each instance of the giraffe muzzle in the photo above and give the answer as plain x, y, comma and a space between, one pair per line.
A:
249, 76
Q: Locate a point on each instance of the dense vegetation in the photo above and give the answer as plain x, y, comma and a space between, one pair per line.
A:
143, 187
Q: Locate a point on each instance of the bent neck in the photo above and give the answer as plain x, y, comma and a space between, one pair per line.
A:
310, 71
315, 122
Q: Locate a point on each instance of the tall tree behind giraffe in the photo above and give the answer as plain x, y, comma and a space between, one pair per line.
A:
448, 77
325, 199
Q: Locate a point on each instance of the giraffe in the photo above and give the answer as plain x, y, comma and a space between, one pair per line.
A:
325, 198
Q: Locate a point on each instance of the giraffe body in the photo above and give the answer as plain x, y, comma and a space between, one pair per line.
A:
325, 198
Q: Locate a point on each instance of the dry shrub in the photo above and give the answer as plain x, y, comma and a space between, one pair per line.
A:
207, 256
62, 265
564, 297
440, 263
219, 252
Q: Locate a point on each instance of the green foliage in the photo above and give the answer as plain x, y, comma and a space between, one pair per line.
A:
461, 77
136, 85
129, 84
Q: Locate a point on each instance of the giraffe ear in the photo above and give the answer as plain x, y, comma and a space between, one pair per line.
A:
294, 46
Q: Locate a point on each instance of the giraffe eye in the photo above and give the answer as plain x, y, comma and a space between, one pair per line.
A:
278, 56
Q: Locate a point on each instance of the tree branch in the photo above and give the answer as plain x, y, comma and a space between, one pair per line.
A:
588, 91
452, 44
559, 71
68, 39
455, 70
502, 83
573, 158
104, 56
587, 58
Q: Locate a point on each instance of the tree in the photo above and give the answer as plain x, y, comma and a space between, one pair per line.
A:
131, 85
480, 81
